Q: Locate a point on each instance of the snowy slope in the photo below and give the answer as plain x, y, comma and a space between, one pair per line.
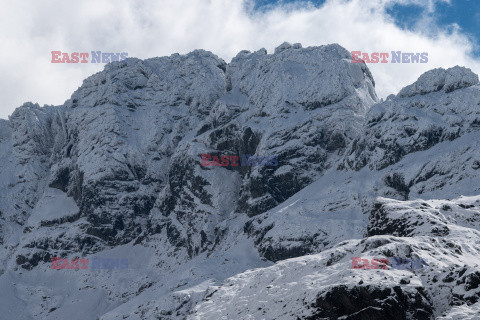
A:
325, 285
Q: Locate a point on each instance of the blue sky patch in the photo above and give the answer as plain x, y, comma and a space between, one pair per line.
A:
464, 13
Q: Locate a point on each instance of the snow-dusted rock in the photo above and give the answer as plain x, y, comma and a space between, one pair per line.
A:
400, 126
284, 46
326, 286
116, 171
440, 79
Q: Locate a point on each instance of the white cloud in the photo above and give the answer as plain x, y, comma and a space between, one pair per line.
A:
29, 30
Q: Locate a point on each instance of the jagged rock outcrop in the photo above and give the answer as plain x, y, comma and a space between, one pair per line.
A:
289, 105
418, 118
422, 146
440, 79
326, 285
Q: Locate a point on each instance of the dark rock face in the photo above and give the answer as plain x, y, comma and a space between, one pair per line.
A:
281, 86
111, 162
397, 181
385, 145
256, 117
28, 263
365, 303
278, 253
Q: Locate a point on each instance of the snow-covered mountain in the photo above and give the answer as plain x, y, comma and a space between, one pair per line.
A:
116, 173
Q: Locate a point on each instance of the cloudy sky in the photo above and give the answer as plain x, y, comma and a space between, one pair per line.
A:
30, 29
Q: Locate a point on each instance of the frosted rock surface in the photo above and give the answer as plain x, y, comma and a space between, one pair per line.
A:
440, 79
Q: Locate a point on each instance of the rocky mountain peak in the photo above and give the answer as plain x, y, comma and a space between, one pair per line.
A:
440, 79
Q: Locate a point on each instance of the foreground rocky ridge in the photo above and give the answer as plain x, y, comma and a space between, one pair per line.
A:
117, 171
324, 286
